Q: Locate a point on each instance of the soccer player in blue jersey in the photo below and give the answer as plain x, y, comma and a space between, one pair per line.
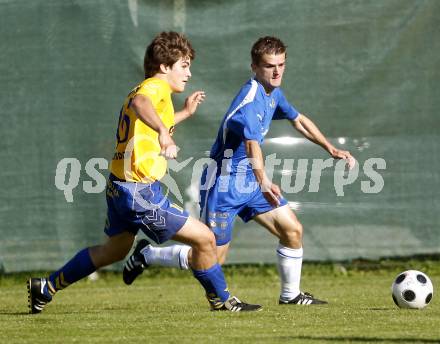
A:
134, 196
237, 179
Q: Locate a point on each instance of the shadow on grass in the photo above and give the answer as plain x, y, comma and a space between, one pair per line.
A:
364, 339
14, 313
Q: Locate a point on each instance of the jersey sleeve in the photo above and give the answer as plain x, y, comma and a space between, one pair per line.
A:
284, 109
154, 91
245, 124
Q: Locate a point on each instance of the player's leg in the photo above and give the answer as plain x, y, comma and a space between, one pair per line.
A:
174, 256
180, 256
146, 254
222, 252
86, 261
202, 242
90, 259
113, 250
161, 221
206, 268
283, 223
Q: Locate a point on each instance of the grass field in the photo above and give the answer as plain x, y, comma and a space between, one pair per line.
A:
167, 306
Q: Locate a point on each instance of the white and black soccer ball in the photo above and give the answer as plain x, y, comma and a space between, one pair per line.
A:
412, 289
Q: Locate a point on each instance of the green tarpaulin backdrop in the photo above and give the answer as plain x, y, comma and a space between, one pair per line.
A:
367, 72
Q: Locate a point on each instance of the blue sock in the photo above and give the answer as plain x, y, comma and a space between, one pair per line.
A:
213, 281
78, 267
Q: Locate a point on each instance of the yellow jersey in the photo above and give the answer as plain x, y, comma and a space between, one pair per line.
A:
136, 157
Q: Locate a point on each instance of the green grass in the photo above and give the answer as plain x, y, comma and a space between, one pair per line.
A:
167, 306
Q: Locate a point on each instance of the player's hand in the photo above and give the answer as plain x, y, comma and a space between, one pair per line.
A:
193, 101
342, 154
168, 148
271, 192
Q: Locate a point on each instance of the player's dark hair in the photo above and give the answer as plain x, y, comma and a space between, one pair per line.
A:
166, 48
267, 45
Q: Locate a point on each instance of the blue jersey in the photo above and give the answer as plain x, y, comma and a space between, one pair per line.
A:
248, 118
234, 191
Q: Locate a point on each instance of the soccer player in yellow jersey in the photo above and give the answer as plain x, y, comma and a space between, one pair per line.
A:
134, 195
246, 190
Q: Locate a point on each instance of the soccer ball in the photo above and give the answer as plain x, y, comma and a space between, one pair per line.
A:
412, 289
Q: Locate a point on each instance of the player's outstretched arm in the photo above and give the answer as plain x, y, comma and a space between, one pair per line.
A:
190, 107
144, 109
308, 129
271, 191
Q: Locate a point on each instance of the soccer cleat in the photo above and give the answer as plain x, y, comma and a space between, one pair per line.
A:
233, 304
135, 265
303, 299
38, 294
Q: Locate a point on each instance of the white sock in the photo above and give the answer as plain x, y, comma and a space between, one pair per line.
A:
289, 268
175, 256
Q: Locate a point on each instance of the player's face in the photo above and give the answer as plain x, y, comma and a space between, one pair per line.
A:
179, 74
269, 72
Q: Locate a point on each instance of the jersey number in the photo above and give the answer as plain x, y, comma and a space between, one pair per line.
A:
123, 127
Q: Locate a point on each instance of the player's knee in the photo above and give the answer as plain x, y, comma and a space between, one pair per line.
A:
206, 241
209, 240
293, 234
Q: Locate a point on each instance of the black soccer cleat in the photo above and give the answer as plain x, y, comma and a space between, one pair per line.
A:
135, 264
38, 294
303, 299
233, 304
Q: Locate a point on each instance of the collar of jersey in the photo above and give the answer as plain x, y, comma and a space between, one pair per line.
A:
262, 90
155, 79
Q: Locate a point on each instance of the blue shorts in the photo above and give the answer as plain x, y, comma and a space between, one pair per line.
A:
137, 206
223, 201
